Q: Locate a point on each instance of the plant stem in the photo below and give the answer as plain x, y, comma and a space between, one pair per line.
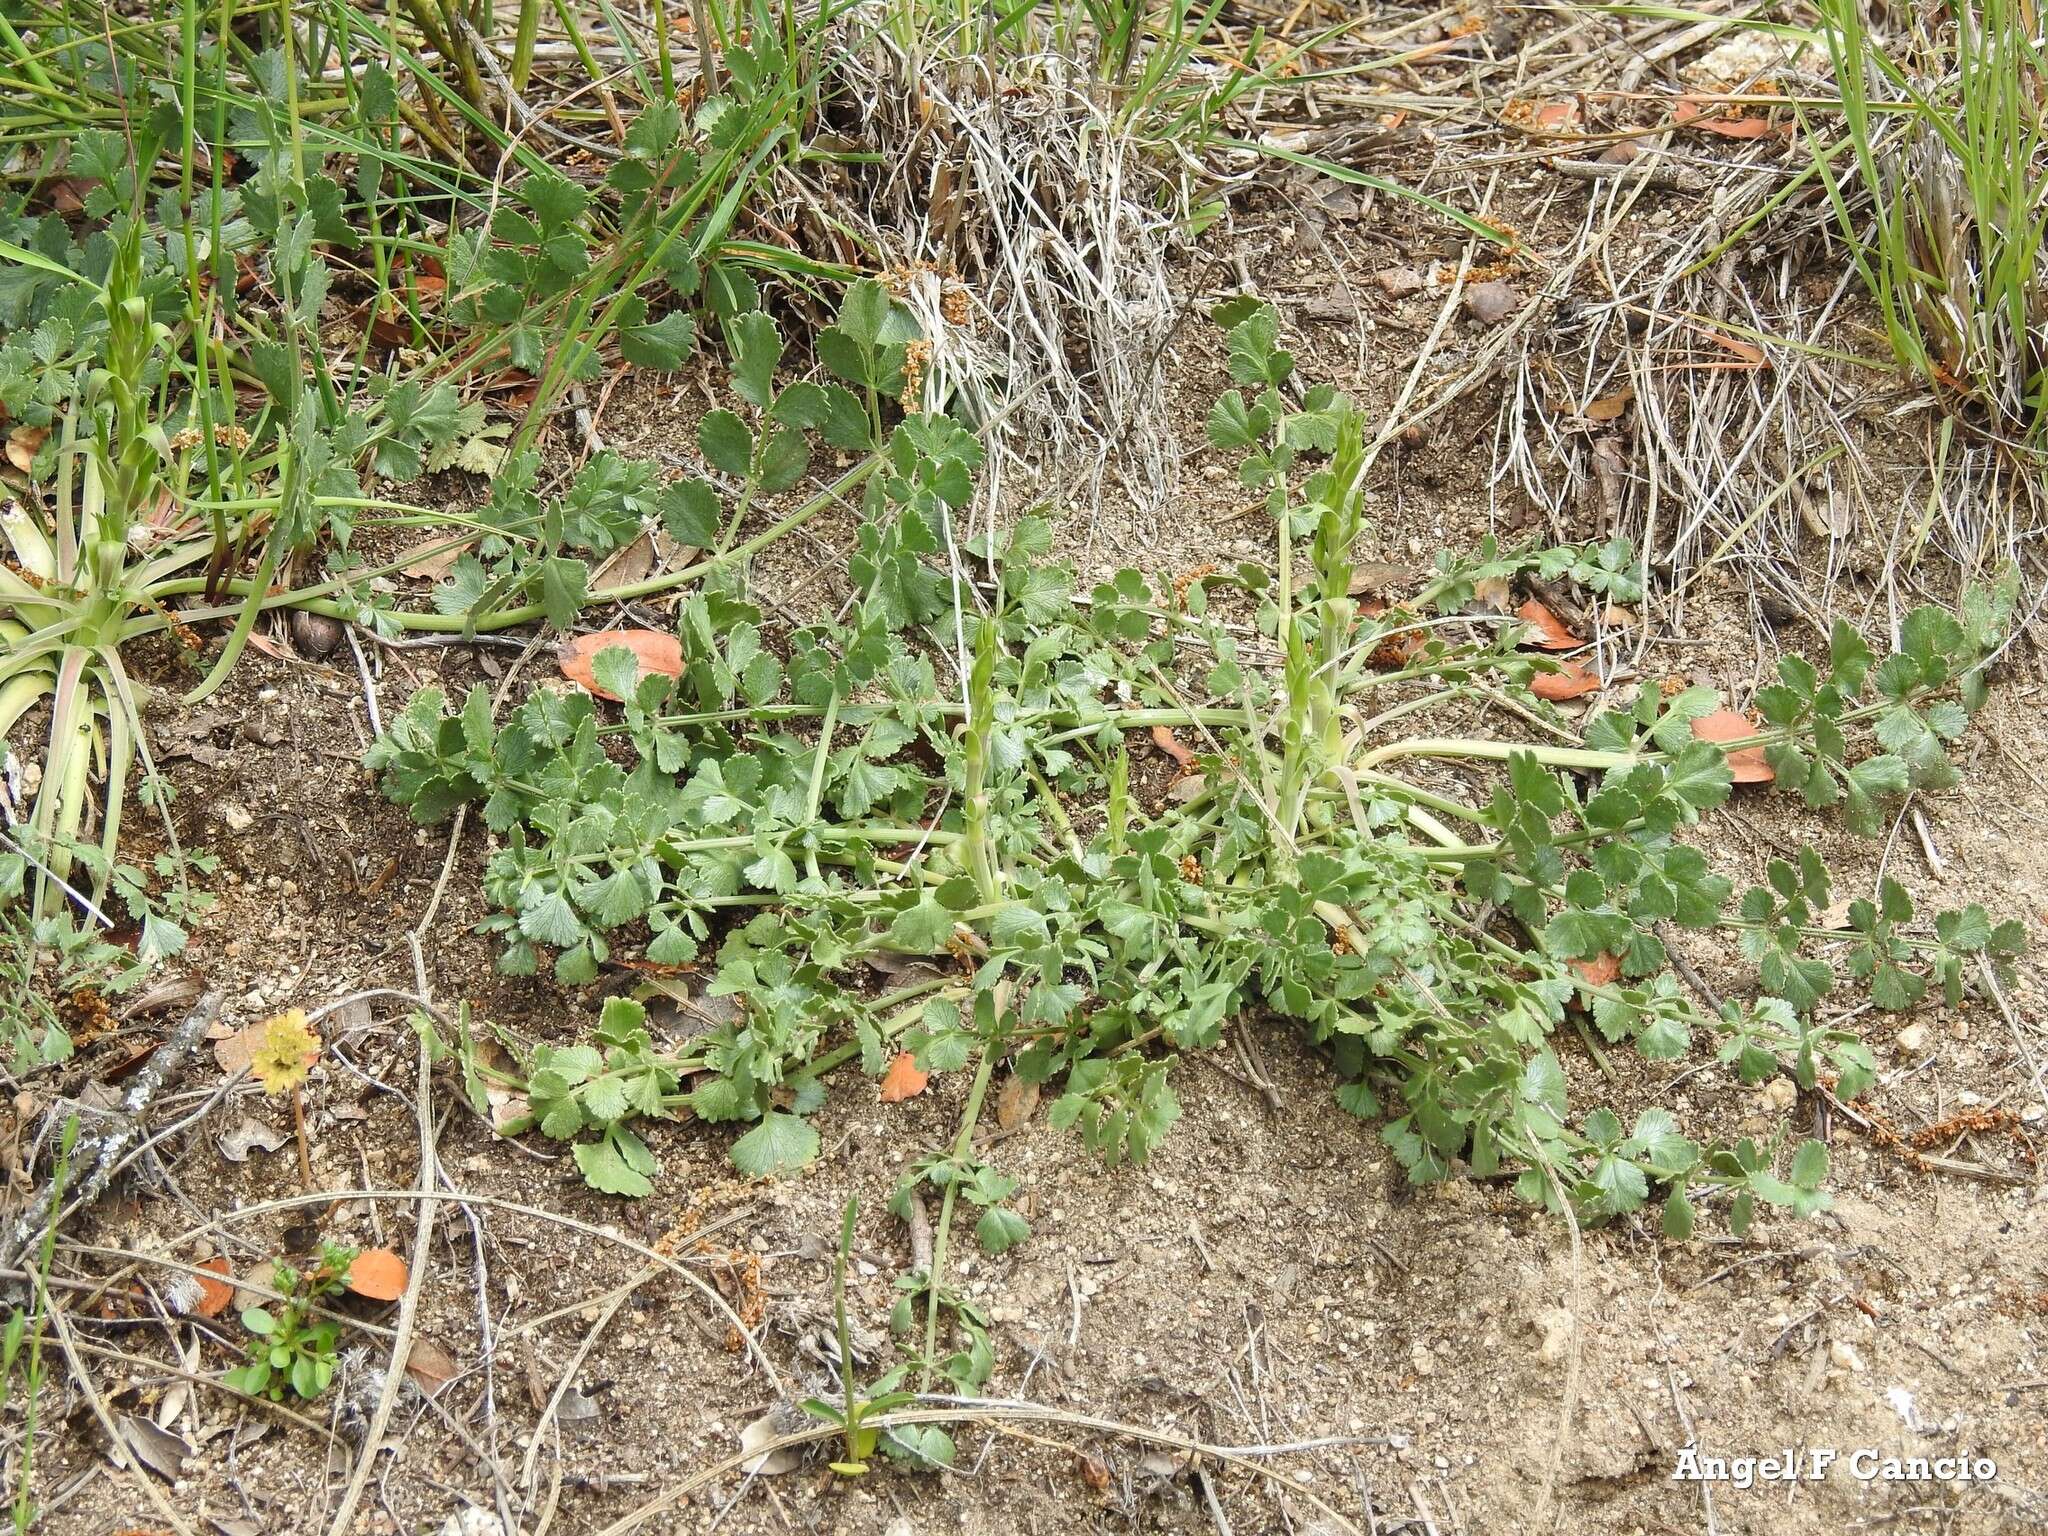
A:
963, 1144
315, 599
1498, 752
299, 1125
851, 1423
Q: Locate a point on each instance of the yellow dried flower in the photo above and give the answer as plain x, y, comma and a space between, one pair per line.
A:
287, 1052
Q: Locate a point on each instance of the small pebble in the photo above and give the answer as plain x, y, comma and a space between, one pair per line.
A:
1398, 282
1491, 303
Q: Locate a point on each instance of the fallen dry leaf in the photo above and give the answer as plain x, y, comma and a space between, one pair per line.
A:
255, 1283
904, 1079
655, 651
1597, 970
1378, 577
1546, 629
1489, 595
762, 1433
1749, 352
1401, 644
630, 562
22, 444
1713, 117
1015, 1101
1164, 739
163, 1452
1608, 407
1569, 682
252, 1135
234, 1048
264, 645
388, 329
214, 1290
1746, 765
515, 389
430, 1366
436, 563
379, 1274
67, 193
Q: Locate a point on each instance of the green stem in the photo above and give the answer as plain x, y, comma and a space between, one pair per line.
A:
314, 599
245, 623
522, 45
24, 1510
818, 764
1498, 752
963, 1144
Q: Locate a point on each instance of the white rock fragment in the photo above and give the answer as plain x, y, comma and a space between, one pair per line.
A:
1556, 1324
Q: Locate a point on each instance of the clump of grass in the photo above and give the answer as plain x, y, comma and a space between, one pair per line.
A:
170, 350
1946, 216
79, 576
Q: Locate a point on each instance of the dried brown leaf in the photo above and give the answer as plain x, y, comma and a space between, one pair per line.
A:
1546, 629
436, 562
379, 1274
1015, 1101
214, 1290
1609, 407
904, 1079
1746, 765
1376, 578
1718, 118
1164, 739
430, 1366
22, 444
1398, 282
656, 652
1570, 681
1597, 970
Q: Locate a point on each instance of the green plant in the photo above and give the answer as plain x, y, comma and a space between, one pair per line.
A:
72, 585
802, 819
28, 1326
1946, 215
291, 1347
38, 963
132, 343
856, 1407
